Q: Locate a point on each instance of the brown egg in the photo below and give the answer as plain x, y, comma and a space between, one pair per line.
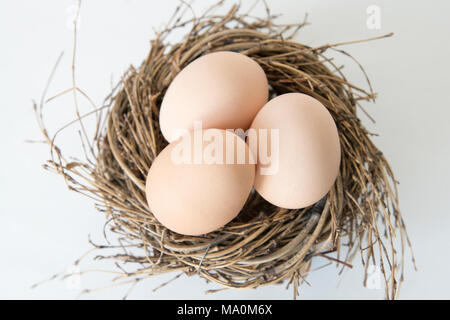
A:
201, 181
299, 160
223, 90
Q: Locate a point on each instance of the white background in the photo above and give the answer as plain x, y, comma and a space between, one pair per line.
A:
45, 227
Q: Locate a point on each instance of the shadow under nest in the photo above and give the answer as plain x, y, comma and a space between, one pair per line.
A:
264, 244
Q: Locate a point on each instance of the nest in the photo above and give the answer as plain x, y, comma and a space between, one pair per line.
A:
265, 244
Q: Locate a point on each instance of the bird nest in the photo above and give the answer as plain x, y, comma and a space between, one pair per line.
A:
264, 244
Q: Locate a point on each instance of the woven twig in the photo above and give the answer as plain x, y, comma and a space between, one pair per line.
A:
264, 244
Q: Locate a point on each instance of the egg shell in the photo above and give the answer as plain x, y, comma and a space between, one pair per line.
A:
308, 157
196, 197
223, 90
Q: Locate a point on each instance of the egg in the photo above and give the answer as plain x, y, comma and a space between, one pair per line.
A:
223, 90
201, 181
298, 151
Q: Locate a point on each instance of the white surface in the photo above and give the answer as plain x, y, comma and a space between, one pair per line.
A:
45, 227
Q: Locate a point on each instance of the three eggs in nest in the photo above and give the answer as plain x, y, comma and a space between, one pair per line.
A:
225, 138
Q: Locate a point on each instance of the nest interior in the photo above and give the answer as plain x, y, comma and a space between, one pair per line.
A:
264, 244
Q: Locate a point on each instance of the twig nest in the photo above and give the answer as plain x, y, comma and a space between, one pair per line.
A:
264, 244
